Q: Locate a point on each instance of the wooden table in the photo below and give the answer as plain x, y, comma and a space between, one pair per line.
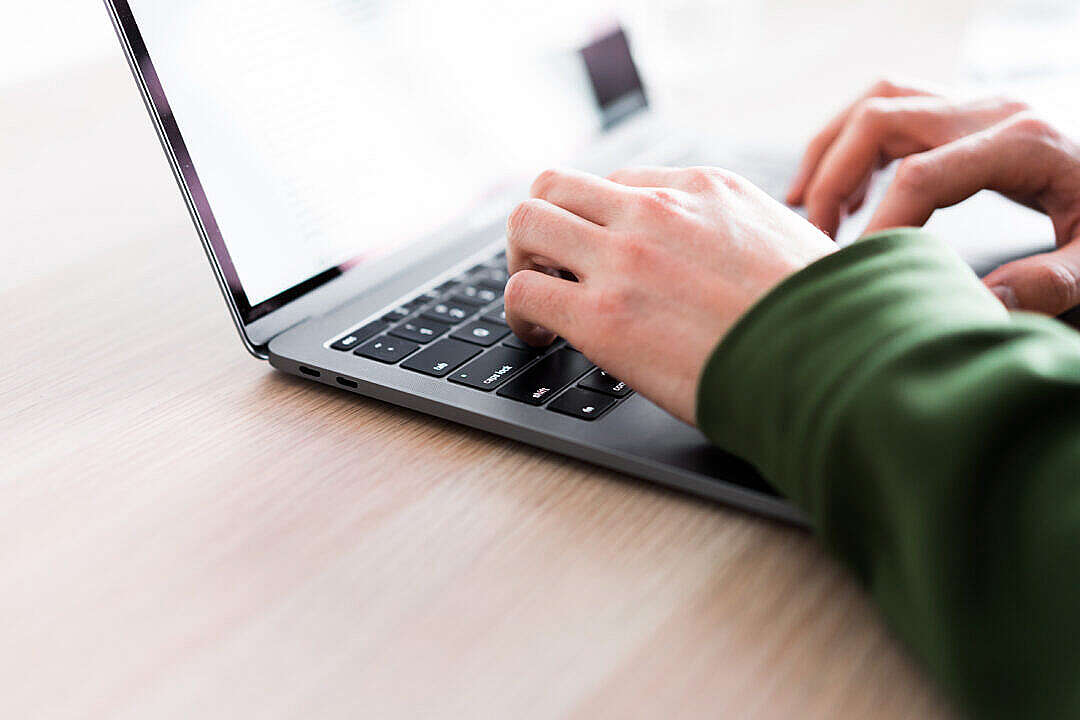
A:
185, 532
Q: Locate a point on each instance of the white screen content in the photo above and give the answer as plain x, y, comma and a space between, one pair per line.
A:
331, 131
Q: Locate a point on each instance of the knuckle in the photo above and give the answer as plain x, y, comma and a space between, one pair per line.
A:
618, 176
659, 203
871, 112
715, 177
700, 179
1055, 283
545, 181
521, 217
1028, 125
1011, 105
913, 174
884, 86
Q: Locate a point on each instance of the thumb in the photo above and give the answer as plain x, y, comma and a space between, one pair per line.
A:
1047, 283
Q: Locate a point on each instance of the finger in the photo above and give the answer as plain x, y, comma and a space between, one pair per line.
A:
540, 307
988, 160
1048, 283
647, 176
539, 234
858, 199
879, 130
846, 166
821, 143
883, 129
583, 194
796, 194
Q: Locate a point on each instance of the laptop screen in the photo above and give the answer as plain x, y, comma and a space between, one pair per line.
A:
331, 133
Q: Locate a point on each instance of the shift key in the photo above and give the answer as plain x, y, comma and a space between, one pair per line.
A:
539, 383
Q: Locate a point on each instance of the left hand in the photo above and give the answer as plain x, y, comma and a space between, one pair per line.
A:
666, 261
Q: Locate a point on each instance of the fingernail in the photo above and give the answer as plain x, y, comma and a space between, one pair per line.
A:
1006, 295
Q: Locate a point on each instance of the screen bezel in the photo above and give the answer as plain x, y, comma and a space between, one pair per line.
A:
246, 316
189, 179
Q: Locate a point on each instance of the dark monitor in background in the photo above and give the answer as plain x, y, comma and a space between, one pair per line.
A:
615, 79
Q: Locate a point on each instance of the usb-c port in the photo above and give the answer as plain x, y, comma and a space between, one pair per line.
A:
348, 383
309, 371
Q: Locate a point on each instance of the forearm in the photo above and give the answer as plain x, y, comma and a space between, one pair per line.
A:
932, 440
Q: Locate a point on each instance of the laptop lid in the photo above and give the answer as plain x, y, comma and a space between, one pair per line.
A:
321, 146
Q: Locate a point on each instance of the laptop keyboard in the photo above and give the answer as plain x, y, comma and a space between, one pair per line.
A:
457, 332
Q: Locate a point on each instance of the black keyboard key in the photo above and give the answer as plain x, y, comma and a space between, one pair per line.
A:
601, 381
492, 279
448, 285
481, 333
449, 312
496, 314
397, 314
387, 349
517, 343
584, 404
440, 359
420, 330
493, 369
547, 377
475, 295
419, 301
358, 336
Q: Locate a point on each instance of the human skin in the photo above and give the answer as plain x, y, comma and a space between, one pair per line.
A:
952, 148
665, 261
662, 262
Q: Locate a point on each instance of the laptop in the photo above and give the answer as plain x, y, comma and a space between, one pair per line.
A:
349, 167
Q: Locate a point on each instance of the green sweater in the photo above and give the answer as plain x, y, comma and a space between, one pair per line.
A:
933, 439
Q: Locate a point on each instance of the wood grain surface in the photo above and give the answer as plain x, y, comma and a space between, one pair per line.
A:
185, 532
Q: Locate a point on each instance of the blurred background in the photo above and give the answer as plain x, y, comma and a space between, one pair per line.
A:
75, 141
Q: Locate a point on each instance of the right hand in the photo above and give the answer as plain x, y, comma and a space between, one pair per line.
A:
889, 121
951, 151
1028, 161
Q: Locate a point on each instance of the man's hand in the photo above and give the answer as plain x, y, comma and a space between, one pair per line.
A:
891, 120
665, 260
1028, 161
952, 150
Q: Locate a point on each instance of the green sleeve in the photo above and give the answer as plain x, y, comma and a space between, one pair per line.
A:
934, 441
